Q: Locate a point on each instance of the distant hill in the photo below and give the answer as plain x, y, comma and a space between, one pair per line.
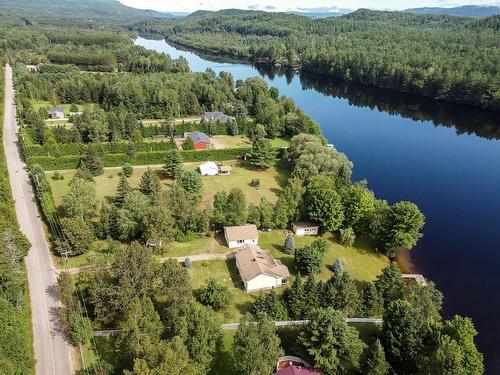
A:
76, 9
463, 11
317, 15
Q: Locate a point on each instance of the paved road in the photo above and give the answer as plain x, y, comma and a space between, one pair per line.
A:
52, 352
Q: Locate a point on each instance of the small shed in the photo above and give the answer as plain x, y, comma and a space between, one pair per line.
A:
57, 113
209, 169
225, 170
305, 228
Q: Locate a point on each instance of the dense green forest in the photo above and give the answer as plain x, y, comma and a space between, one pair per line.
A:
437, 56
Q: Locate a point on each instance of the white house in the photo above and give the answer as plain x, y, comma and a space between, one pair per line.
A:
305, 228
209, 169
241, 235
259, 270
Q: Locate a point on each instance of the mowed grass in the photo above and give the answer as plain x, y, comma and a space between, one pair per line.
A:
362, 263
239, 141
271, 182
37, 104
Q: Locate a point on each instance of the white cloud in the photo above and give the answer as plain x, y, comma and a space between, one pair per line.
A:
287, 5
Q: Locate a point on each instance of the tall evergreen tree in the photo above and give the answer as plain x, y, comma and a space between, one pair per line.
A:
372, 303
92, 161
390, 283
373, 361
173, 163
262, 154
256, 346
295, 298
402, 335
334, 347
341, 293
122, 189
150, 183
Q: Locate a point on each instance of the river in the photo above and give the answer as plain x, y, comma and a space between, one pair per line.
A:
443, 157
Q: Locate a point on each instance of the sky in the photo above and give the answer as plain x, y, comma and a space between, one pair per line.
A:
296, 5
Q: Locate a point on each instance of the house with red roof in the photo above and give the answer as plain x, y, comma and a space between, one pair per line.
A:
297, 370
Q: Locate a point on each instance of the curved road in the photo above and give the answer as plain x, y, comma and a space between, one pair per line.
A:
52, 352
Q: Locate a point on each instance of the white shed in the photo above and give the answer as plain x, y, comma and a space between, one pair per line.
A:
259, 270
209, 169
305, 228
241, 235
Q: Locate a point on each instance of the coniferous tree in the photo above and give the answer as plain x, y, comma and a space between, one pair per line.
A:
256, 346
289, 247
262, 154
295, 298
122, 189
271, 305
127, 170
373, 361
340, 292
173, 163
390, 283
311, 295
372, 303
150, 183
92, 161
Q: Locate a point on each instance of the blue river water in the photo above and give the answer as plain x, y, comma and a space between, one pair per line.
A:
443, 157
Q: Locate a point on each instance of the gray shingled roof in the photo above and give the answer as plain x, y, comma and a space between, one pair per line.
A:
216, 116
197, 136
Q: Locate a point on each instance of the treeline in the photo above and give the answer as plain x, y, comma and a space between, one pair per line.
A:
15, 346
124, 99
440, 57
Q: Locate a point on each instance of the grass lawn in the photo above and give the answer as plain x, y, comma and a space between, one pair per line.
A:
271, 182
37, 104
361, 261
203, 245
239, 141
226, 273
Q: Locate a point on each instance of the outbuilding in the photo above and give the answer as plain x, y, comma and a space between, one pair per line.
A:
209, 169
259, 270
201, 141
215, 117
305, 228
241, 235
57, 113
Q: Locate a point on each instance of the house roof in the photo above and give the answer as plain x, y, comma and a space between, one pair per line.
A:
216, 116
241, 232
306, 224
197, 137
57, 109
297, 370
254, 261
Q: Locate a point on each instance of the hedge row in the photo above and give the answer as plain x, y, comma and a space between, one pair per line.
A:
51, 163
71, 149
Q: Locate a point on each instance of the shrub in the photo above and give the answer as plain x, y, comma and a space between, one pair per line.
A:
347, 237
215, 295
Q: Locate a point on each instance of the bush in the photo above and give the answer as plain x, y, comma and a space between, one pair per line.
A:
215, 295
127, 170
347, 237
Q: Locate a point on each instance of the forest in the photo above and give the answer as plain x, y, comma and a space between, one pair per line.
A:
442, 57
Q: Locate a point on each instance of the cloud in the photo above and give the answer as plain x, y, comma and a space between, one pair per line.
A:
327, 9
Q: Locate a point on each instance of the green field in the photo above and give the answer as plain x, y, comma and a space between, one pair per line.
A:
271, 182
37, 104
